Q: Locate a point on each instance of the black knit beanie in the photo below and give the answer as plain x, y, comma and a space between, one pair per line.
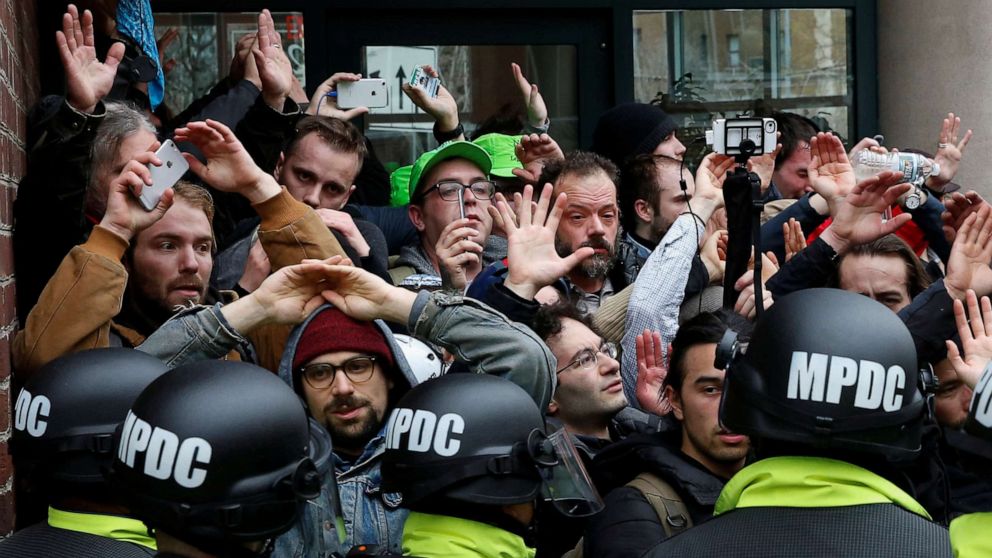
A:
630, 129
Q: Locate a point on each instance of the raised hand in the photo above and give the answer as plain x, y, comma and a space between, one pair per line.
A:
651, 373
458, 254
345, 224
328, 106
865, 143
537, 112
957, 208
274, 67
968, 264
87, 79
534, 152
746, 305
795, 240
950, 150
530, 234
293, 292
243, 63
229, 168
442, 108
830, 171
764, 166
975, 330
365, 296
859, 218
257, 268
124, 215
710, 176
710, 253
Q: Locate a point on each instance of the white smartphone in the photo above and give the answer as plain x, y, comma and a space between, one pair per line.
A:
370, 93
165, 176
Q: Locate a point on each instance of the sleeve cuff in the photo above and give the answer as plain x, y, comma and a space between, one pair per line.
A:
280, 210
105, 243
419, 305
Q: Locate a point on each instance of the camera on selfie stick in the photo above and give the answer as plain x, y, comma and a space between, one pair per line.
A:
743, 137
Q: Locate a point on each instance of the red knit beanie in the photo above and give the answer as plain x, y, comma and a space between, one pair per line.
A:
332, 330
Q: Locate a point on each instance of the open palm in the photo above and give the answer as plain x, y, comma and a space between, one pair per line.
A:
530, 234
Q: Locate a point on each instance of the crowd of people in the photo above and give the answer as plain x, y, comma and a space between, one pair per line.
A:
539, 353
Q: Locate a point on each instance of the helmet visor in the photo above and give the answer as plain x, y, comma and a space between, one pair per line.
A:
565, 481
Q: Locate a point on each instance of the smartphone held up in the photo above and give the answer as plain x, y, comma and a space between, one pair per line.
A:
164, 176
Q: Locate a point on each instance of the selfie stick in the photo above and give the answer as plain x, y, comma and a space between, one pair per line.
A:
744, 203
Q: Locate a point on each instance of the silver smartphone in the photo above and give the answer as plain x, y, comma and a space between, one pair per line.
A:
369, 93
164, 176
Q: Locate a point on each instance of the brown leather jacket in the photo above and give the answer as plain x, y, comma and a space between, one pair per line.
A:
76, 309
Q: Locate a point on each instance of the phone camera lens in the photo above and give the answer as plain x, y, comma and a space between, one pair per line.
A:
168, 164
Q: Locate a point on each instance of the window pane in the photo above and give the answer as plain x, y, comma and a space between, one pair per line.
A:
480, 80
705, 64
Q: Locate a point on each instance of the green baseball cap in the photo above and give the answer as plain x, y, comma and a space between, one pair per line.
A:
399, 182
448, 150
502, 148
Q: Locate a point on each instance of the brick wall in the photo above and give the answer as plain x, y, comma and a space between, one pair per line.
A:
18, 91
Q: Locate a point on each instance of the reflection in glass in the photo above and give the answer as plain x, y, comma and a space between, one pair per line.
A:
703, 64
480, 80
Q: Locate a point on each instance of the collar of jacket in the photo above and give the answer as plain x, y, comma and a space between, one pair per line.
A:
640, 246
440, 535
109, 526
810, 482
969, 534
373, 449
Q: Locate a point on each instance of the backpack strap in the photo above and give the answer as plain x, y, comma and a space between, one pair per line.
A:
671, 510
667, 503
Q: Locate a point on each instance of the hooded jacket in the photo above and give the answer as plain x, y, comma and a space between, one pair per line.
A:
370, 515
486, 341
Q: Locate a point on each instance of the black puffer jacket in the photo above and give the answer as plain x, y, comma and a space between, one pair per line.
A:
629, 525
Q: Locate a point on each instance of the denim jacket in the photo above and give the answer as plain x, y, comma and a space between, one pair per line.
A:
479, 336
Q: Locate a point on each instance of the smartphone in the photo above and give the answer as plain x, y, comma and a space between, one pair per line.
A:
165, 176
421, 79
370, 93
461, 202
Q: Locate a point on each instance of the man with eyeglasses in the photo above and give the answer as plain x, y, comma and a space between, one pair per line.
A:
350, 371
450, 192
590, 392
695, 458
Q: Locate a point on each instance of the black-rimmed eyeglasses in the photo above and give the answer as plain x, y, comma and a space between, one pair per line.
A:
448, 190
321, 375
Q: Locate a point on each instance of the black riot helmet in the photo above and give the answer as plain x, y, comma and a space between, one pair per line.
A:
219, 453
827, 368
66, 413
478, 439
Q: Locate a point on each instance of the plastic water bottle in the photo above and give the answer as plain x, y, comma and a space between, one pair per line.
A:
915, 168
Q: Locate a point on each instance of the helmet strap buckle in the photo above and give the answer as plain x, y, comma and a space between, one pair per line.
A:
102, 443
824, 425
502, 465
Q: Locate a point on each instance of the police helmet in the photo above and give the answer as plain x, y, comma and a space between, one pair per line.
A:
827, 368
424, 361
479, 439
66, 413
217, 451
